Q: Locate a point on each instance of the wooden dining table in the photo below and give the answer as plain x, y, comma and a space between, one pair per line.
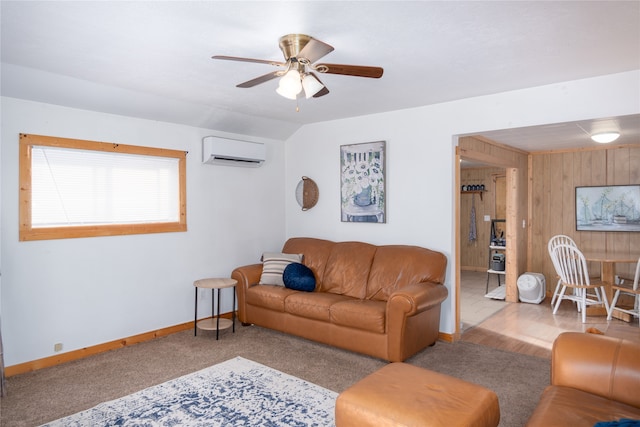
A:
608, 260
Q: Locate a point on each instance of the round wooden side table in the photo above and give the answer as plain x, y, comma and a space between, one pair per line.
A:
215, 323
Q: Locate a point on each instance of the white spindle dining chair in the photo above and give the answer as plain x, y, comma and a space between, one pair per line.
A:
632, 291
571, 266
553, 242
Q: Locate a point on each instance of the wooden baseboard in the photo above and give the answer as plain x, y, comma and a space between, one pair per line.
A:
61, 358
58, 359
471, 268
446, 337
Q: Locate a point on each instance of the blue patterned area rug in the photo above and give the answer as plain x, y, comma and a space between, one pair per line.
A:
238, 392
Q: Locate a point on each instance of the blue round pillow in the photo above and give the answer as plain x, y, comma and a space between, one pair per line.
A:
299, 277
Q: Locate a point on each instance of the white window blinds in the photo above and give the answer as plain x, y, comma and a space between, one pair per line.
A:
72, 187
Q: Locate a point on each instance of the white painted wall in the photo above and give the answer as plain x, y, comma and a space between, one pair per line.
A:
420, 159
83, 292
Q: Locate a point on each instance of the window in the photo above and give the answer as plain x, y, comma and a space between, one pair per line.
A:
74, 188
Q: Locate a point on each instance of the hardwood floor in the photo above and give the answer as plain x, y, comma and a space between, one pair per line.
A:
474, 307
532, 328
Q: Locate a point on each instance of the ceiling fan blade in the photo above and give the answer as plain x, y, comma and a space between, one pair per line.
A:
321, 92
351, 70
314, 50
259, 80
259, 61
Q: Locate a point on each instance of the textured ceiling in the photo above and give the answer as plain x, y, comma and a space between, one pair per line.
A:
152, 59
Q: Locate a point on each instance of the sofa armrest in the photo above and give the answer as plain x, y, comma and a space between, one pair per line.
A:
413, 319
597, 364
416, 298
247, 276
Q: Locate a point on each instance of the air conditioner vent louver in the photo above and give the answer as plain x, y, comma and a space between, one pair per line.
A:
232, 152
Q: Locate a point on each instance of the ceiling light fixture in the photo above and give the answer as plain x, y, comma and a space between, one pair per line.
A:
311, 85
605, 137
296, 78
290, 84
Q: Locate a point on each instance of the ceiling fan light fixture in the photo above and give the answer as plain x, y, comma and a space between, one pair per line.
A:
290, 85
605, 137
285, 93
311, 85
301, 52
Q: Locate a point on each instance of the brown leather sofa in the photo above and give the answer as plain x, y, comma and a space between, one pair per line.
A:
594, 378
383, 301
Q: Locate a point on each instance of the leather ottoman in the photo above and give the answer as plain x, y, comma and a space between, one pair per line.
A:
400, 394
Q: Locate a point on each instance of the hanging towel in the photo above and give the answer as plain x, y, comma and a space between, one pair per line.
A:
473, 235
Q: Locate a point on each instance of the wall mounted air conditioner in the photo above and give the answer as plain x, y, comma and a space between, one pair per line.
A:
232, 152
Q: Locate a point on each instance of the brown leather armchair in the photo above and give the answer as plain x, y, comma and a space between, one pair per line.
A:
593, 378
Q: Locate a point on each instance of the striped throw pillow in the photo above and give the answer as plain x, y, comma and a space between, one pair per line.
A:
273, 265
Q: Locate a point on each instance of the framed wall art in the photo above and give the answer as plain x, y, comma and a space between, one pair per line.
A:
362, 182
608, 208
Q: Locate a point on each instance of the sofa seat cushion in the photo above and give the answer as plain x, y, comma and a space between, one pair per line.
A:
312, 305
360, 314
268, 296
565, 406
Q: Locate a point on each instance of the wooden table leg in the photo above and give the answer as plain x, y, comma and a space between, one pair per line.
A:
608, 279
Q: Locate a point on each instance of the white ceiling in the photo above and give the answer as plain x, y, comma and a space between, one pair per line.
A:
152, 59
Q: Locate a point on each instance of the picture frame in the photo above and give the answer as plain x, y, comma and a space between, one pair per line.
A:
362, 182
608, 208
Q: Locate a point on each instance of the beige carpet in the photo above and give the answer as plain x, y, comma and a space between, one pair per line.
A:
49, 394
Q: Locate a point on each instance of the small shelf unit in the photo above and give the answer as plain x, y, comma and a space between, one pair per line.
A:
480, 192
495, 249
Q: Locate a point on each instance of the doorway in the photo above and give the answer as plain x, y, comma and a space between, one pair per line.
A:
482, 209
514, 165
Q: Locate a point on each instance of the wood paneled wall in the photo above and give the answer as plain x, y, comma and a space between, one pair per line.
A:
515, 163
474, 255
553, 179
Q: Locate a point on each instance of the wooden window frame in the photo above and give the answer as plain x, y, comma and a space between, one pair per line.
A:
27, 232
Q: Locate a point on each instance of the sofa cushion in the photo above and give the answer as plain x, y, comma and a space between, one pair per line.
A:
598, 364
312, 305
396, 266
316, 252
361, 314
299, 277
566, 406
268, 296
347, 269
273, 265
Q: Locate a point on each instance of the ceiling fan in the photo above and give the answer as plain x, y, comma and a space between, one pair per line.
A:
299, 68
